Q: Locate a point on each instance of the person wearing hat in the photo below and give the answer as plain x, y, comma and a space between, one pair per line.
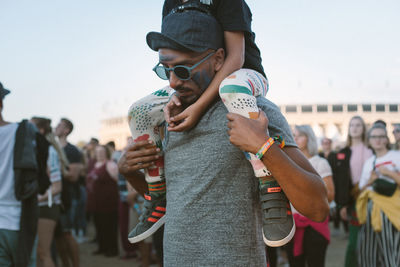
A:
238, 88
16, 245
214, 216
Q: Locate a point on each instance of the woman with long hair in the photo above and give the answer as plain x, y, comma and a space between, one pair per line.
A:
378, 206
50, 201
104, 178
311, 239
347, 169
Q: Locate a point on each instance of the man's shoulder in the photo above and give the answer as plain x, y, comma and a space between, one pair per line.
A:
266, 104
12, 126
71, 147
72, 152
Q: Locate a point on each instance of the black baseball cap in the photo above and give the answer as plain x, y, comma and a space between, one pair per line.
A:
3, 91
190, 30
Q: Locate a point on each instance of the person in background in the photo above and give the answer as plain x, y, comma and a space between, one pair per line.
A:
396, 134
126, 202
78, 211
327, 153
50, 201
89, 153
78, 205
67, 247
378, 211
105, 189
311, 239
115, 154
346, 175
12, 225
90, 160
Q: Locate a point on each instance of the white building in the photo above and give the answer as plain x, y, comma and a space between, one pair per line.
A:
327, 120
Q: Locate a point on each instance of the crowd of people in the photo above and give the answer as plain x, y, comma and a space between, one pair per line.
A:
216, 214
85, 186
75, 186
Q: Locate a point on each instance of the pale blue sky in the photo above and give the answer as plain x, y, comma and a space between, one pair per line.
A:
88, 60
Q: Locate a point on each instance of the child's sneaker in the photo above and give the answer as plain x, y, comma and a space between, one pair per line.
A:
278, 223
151, 219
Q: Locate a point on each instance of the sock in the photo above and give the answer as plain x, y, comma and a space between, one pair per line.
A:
155, 179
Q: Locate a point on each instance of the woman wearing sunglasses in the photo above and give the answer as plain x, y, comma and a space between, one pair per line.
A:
378, 206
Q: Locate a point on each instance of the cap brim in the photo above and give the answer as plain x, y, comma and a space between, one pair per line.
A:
156, 40
4, 92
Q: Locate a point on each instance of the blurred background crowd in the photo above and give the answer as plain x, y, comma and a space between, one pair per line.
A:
86, 191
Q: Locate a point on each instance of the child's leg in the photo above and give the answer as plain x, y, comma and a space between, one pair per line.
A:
238, 92
145, 117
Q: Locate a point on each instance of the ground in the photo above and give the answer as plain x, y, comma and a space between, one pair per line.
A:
335, 255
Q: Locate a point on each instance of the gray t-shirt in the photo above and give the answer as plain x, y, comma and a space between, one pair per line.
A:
213, 213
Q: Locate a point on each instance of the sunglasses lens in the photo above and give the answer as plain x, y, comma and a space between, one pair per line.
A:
162, 72
182, 73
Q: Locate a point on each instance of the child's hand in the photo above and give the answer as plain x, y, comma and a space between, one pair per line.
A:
185, 120
172, 108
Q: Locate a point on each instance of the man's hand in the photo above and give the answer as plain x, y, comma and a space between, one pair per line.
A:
248, 134
139, 155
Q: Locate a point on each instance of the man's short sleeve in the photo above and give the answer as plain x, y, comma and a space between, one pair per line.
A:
73, 154
278, 125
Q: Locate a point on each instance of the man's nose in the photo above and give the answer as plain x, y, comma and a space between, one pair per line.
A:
174, 81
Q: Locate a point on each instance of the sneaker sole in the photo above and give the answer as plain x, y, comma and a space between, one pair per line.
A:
279, 243
149, 232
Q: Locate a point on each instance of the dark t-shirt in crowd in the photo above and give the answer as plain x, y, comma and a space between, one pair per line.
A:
72, 153
70, 189
233, 15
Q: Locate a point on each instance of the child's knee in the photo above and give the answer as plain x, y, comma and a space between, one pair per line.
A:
237, 82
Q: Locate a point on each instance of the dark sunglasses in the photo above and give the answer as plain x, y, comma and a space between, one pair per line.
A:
182, 72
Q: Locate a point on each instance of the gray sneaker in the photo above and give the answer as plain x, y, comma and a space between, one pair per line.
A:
151, 219
278, 223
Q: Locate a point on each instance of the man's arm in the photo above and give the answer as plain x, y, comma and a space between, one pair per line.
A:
301, 183
298, 179
74, 169
140, 155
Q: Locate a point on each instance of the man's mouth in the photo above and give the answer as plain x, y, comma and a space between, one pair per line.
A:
184, 93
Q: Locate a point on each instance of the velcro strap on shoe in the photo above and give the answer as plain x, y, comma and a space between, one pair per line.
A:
273, 204
269, 197
275, 214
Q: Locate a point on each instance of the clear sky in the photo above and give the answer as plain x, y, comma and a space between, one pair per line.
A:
88, 60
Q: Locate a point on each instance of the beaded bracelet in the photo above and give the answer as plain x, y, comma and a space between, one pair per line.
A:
265, 148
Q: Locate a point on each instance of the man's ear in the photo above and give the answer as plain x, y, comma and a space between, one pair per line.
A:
219, 58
